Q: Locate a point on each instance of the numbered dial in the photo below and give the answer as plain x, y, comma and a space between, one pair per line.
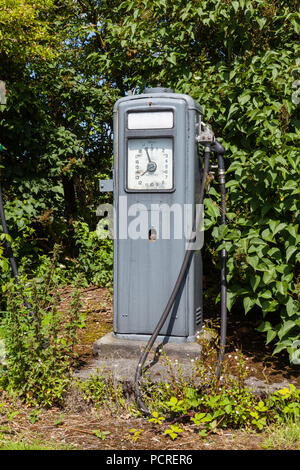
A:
150, 164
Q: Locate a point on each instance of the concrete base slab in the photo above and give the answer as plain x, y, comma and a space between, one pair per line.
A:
110, 347
118, 358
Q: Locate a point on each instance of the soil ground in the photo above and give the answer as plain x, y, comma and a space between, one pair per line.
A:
76, 425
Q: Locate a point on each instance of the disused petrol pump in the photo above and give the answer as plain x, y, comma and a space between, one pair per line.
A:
162, 153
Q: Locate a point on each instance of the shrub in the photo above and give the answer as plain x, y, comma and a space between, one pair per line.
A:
39, 341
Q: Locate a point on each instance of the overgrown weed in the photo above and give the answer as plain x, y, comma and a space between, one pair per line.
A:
39, 340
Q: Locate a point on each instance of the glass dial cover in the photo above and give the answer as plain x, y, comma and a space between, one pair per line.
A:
150, 164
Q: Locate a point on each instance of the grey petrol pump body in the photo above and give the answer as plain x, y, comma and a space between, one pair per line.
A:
157, 171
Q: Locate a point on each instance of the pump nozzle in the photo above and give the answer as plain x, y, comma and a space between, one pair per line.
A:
206, 135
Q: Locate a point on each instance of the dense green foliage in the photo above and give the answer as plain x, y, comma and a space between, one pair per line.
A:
39, 341
239, 59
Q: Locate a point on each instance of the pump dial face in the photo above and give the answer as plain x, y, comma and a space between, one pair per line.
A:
150, 164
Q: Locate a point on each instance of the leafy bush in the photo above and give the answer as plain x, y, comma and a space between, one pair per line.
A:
92, 265
95, 257
262, 183
39, 341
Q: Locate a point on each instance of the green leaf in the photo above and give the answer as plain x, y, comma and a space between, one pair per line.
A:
276, 226
280, 346
211, 208
267, 294
253, 261
271, 335
261, 22
254, 281
287, 326
231, 298
292, 307
282, 287
172, 58
267, 235
289, 185
268, 276
248, 303
296, 23
244, 98
264, 326
235, 5
290, 251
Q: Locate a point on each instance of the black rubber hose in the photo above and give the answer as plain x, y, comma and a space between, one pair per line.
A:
223, 329
180, 278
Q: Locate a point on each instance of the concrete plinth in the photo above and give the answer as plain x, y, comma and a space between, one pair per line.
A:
119, 358
110, 347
